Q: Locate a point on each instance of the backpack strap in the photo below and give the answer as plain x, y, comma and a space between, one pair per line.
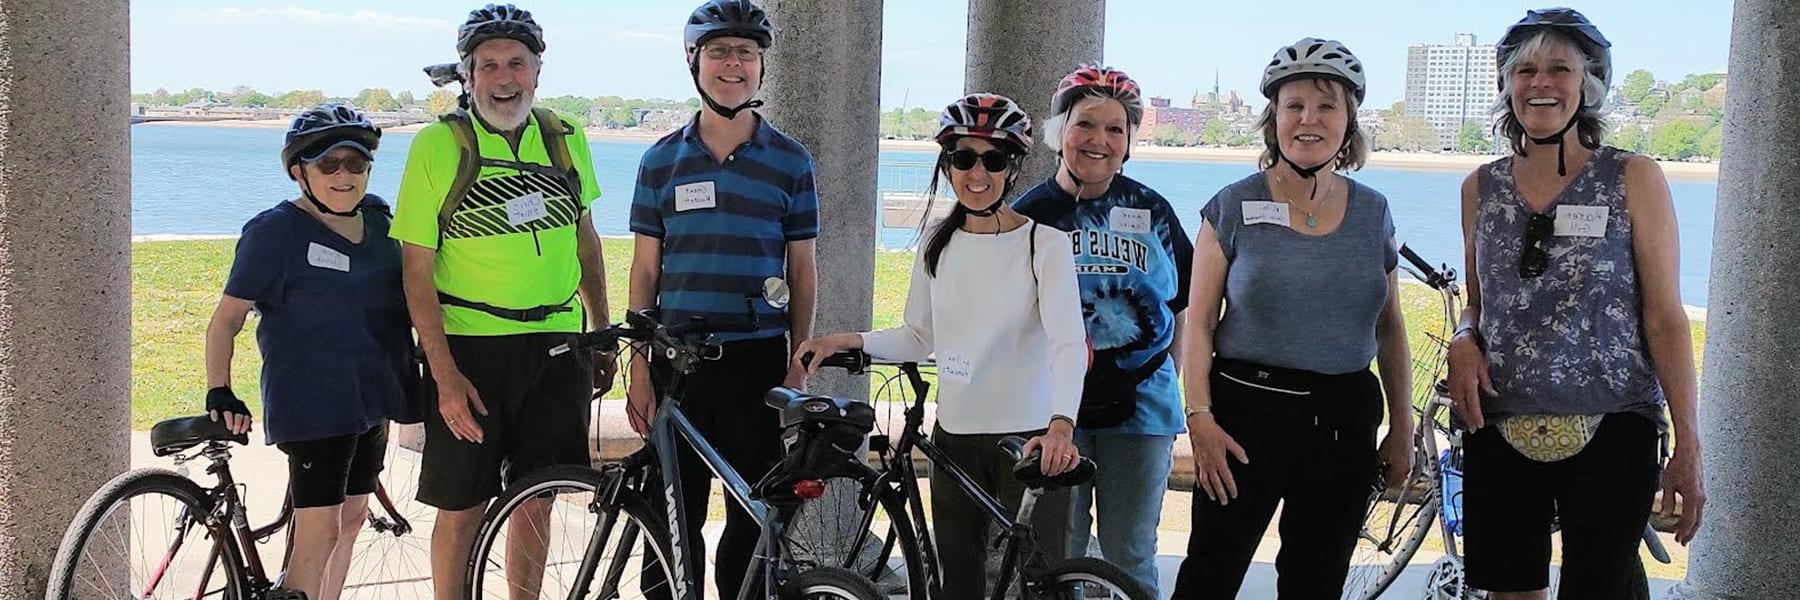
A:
1034, 267
468, 166
554, 130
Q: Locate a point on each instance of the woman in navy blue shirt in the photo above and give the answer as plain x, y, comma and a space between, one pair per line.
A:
324, 277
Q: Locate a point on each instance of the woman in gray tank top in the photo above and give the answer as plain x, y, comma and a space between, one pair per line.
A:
1282, 408
1574, 340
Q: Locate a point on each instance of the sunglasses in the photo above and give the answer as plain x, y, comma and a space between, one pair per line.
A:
1534, 256
330, 164
994, 161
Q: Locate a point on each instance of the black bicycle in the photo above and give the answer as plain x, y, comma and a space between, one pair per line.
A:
890, 499
573, 532
153, 533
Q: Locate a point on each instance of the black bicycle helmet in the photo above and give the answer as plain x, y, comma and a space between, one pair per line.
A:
728, 18
496, 21
325, 128
1571, 24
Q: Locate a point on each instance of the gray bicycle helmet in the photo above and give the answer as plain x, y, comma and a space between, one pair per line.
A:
1313, 57
1569, 23
325, 128
496, 21
733, 18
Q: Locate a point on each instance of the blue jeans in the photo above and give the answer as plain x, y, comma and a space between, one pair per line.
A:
1134, 471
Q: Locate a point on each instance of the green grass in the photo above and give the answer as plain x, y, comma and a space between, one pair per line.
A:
175, 286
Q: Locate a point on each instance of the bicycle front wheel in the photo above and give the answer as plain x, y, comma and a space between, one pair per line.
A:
546, 537
1397, 522
147, 534
1084, 578
830, 583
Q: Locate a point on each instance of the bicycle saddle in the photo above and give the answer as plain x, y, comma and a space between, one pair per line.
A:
1025, 468
175, 435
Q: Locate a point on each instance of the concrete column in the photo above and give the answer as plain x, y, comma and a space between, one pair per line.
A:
822, 83
1750, 545
1021, 48
65, 271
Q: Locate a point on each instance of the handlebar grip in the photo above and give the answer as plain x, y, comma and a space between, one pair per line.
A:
1425, 268
852, 361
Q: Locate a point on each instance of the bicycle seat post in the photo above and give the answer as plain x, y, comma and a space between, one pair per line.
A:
1028, 503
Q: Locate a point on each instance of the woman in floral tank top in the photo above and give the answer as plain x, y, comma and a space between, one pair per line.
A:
1573, 354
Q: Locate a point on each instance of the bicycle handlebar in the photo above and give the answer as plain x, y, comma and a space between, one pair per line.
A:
642, 326
1433, 277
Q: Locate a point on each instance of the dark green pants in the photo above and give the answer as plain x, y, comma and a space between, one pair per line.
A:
963, 529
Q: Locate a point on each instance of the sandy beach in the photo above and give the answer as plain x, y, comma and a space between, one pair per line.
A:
1411, 161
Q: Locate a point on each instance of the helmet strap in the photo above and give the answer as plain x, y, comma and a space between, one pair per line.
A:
306, 190
1562, 165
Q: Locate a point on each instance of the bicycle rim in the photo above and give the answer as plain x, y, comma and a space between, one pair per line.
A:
850, 528
1395, 525
549, 520
392, 554
1085, 578
144, 536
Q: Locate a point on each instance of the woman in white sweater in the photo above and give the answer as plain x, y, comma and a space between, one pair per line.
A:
993, 296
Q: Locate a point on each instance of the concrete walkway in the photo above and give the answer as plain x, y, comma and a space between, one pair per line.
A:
402, 573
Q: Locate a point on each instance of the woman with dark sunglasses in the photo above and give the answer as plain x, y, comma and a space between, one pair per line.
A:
1574, 341
993, 297
336, 346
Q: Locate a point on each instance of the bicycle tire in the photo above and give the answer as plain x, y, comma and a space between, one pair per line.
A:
87, 528
630, 518
830, 583
1368, 581
391, 558
1091, 575
874, 559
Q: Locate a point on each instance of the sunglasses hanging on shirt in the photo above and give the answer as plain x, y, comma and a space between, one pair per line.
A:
1534, 254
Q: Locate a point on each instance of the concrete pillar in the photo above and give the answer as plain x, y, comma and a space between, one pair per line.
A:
65, 271
1021, 48
1750, 545
822, 83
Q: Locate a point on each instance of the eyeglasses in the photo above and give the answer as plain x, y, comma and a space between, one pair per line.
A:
329, 165
745, 54
1534, 255
994, 161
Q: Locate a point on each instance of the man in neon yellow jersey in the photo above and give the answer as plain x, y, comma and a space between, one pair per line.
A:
493, 211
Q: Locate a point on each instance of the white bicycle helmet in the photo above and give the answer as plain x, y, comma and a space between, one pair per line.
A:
1313, 57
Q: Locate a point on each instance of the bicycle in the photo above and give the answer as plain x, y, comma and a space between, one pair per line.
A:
153, 533
895, 484
1399, 520
628, 550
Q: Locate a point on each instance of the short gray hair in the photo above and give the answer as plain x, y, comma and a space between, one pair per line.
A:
1356, 141
1056, 124
1590, 119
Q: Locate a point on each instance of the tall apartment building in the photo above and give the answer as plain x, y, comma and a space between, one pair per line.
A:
1451, 85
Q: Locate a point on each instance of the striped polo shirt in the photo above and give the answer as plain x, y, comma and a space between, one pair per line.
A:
724, 225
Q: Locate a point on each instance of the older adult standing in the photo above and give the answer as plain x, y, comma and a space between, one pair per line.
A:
498, 244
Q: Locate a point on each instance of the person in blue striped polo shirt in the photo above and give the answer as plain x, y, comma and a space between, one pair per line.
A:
722, 205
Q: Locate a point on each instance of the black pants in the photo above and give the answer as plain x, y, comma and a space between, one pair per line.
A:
724, 400
962, 528
1310, 439
1601, 497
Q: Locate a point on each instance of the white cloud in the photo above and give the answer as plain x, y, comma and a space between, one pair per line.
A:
362, 18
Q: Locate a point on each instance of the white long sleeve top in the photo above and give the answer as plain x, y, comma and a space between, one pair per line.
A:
1011, 348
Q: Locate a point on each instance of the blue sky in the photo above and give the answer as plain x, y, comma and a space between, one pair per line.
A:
633, 48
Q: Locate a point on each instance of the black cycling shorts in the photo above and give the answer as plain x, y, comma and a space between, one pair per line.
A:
323, 472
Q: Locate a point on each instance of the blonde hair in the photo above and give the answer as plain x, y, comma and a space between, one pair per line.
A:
1057, 124
1356, 141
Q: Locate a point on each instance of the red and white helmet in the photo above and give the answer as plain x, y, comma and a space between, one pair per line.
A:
1101, 82
989, 116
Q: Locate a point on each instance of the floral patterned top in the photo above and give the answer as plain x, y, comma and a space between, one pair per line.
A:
1570, 341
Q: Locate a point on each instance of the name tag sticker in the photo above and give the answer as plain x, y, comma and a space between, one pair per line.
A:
1581, 221
1129, 220
954, 367
525, 209
1258, 212
695, 196
323, 257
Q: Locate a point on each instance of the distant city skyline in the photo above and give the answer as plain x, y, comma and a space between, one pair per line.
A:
1172, 47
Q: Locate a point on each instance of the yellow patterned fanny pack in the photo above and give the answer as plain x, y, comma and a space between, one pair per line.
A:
1550, 438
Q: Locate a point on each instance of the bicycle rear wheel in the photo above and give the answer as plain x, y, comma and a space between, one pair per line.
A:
546, 538
392, 555
147, 535
1084, 578
874, 538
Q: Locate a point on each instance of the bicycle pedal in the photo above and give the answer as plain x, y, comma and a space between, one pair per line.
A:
282, 593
